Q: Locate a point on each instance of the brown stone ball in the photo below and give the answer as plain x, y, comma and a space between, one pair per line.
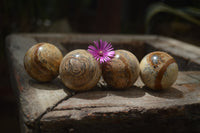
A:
122, 71
42, 62
79, 70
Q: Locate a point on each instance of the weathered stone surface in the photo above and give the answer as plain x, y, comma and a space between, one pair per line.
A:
135, 97
51, 107
128, 109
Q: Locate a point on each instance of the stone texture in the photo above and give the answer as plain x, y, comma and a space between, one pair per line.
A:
79, 70
42, 62
122, 71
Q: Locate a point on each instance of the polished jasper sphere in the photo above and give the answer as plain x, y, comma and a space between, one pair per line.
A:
79, 70
159, 70
42, 62
122, 71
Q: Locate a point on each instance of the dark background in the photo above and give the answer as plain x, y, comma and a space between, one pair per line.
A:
89, 16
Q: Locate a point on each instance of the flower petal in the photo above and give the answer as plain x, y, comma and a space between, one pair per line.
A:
111, 53
101, 44
105, 44
97, 44
92, 47
109, 46
101, 60
91, 51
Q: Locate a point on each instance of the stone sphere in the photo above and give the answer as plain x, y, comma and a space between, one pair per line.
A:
122, 71
42, 62
159, 70
79, 70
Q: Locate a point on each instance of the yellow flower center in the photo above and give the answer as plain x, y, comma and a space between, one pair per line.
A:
101, 52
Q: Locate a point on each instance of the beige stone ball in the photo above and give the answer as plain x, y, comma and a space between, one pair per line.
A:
158, 70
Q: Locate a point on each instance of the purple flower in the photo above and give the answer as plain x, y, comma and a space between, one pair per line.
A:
103, 52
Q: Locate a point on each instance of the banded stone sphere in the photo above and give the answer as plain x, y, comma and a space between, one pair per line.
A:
159, 70
122, 71
42, 62
79, 70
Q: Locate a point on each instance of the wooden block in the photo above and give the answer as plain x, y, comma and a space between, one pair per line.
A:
127, 109
34, 98
187, 78
51, 107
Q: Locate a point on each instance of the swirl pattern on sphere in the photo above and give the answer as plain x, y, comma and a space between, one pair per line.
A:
79, 70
